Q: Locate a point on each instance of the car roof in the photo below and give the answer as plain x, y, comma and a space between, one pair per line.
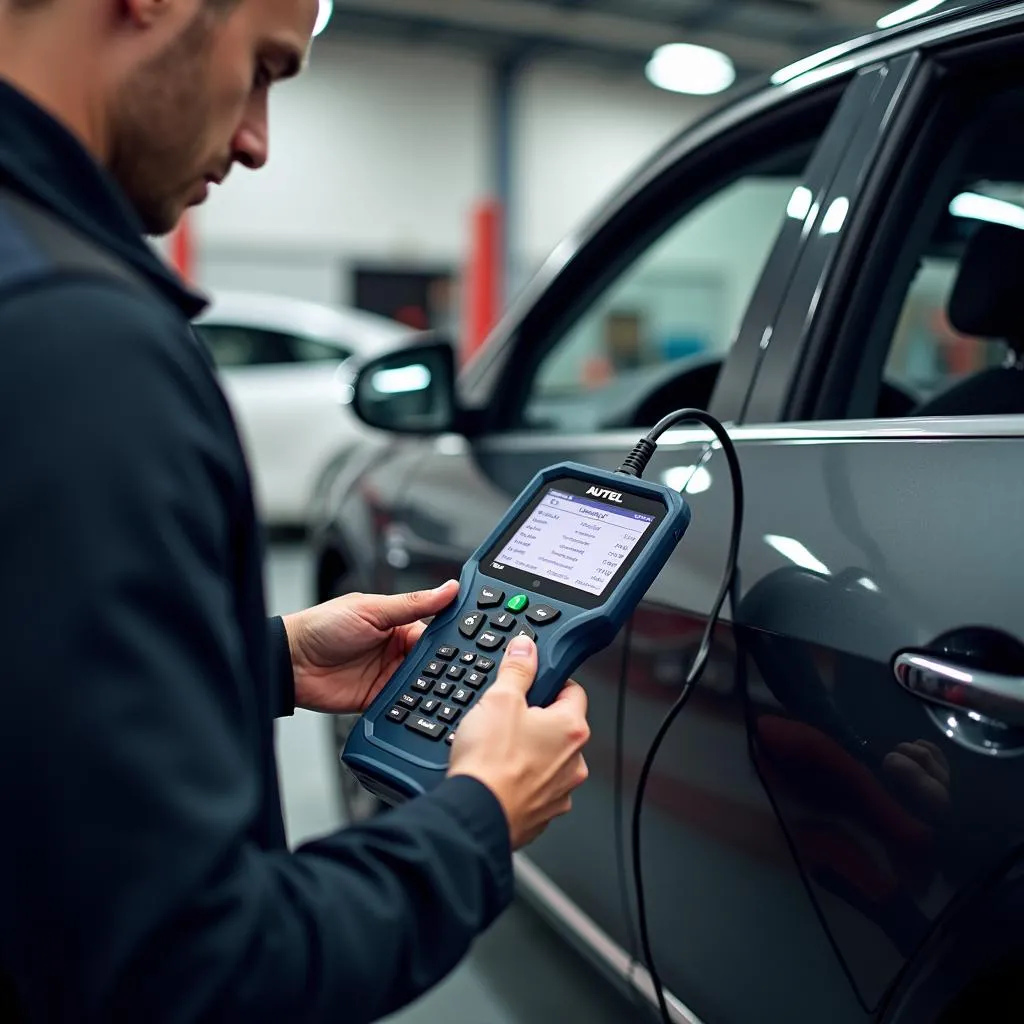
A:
337, 325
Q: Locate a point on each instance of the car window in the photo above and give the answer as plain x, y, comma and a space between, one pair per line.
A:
942, 334
306, 350
245, 346
669, 316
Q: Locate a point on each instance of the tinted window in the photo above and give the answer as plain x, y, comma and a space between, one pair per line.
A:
671, 314
249, 346
306, 350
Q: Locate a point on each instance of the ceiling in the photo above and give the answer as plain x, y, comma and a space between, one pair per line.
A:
760, 36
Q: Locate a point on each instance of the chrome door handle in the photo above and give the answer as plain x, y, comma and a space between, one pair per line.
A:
968, 690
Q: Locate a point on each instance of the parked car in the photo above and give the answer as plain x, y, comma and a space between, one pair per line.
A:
278, 359
834, 827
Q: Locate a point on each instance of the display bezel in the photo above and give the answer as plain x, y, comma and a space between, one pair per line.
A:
562, 591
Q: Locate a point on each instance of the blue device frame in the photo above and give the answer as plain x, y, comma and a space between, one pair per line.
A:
398, 772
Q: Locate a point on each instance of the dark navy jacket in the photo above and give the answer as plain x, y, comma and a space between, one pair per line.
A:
143, 870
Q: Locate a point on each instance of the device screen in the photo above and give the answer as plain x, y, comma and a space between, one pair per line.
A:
575, 539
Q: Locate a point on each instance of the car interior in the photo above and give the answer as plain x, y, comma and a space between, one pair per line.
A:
955, 338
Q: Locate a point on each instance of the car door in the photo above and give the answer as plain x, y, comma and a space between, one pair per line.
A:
641, 319
881, 606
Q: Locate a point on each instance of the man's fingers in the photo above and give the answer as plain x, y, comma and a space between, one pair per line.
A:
573, 697
518, 668
403, 609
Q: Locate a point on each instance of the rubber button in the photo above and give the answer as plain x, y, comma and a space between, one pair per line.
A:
517, 603
542, 614
470, 624
490, 598
432, 730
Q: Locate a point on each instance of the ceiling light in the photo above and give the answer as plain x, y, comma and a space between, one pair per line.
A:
696, 70
908, 13
323, 16
974, 206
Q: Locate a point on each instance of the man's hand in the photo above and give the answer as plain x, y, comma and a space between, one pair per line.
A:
344, 651
530, 758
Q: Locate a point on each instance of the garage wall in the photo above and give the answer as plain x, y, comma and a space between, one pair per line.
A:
380, 154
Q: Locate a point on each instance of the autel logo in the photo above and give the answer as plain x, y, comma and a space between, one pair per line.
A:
599, 492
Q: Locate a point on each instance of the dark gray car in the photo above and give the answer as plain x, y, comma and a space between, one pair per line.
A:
834, 266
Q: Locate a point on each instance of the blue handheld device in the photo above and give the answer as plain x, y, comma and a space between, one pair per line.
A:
567, 565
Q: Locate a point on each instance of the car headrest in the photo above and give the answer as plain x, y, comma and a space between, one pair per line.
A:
988, 297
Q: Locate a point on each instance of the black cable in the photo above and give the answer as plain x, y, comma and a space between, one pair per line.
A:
635, 465
618, 793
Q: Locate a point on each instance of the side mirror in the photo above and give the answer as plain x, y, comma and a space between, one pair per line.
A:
408, 391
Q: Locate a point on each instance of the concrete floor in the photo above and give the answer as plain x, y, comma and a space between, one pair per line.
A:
488, 987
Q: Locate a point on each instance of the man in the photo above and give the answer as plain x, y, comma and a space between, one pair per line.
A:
143, 872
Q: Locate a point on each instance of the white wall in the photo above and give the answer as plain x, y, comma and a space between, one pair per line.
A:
375, 155
381, 153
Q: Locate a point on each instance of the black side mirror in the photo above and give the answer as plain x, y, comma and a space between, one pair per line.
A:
408, 391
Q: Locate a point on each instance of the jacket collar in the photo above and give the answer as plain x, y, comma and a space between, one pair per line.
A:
41, 160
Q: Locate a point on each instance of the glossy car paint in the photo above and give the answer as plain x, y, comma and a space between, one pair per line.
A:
796, 869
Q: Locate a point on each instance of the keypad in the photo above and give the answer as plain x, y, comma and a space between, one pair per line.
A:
450, 681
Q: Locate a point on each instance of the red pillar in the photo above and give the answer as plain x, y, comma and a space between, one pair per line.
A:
484, 275
182, 249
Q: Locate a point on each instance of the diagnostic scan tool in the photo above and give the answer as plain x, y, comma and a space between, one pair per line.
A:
573, 557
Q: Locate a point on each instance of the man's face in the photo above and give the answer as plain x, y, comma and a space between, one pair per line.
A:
189, 113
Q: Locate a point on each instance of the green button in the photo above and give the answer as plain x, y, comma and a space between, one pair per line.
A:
518, 603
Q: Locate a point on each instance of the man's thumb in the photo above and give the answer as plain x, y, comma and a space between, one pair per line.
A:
519, 666
403, 609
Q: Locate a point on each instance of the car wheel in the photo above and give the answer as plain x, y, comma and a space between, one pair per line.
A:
356, 803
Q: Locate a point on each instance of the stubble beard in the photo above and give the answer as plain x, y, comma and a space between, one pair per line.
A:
158, 129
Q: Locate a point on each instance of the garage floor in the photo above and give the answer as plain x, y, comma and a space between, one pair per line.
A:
488, 987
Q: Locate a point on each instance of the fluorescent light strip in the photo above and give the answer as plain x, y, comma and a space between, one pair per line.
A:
973, 206
917, 9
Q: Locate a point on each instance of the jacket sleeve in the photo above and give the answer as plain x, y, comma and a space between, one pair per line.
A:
130, 885
282, 675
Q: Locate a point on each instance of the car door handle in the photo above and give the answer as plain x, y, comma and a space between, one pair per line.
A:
965, 689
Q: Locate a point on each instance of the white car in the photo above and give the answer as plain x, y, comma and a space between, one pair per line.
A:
278, 360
